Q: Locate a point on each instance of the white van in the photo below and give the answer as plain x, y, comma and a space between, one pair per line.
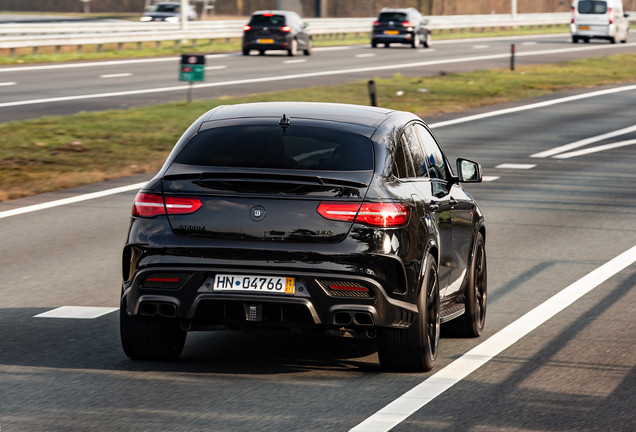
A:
599, 19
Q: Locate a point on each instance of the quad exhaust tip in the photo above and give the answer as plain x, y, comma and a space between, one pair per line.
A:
164, 310
343, 318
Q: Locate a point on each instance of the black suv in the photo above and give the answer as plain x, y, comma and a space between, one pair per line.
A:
404, 26
276, 30
340, 219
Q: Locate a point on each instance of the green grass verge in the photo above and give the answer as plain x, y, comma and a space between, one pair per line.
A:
149, 49
53, 153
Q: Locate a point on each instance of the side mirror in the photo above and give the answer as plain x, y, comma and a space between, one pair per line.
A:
426, 22
468, 171
305, 25
626, 15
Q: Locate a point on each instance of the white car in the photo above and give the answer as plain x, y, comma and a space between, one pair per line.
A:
599, 19
167, 11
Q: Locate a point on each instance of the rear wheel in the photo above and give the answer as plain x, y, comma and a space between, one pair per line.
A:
374, 44
293, 48
261, 52
575, 39
415, 43
415, 349
246, 51
427, 41
586, 40
472, 322
150, 338
307, 51
613, 40
387, 45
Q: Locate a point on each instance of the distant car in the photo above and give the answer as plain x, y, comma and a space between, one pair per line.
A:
599, 19
338, 219
403, 26
167, 11
276, 30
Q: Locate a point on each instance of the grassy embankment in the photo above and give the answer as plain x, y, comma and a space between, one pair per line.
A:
110, 51
53, 153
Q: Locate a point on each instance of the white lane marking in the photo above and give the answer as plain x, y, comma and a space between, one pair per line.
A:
529, 43
490, 178
595, 149
504, 38
117, 75
533, 106
298, 76
340, 48
70, 200
365, 55
106, 63
295, 61
480, 46
215, 67
411, 401
424, 50
76, 312
515, 166
584, 142
4, 84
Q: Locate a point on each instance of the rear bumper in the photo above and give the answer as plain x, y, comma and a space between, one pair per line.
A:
198, 304
399, 38
279, 43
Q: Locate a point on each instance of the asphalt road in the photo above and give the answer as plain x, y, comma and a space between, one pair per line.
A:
30, 91
548, 226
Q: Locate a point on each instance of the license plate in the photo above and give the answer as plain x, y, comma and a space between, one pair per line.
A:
253, 283
584, 27
391, 32
265, 41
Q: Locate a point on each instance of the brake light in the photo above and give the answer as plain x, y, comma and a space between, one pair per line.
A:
182, 205
385, 215
148, 205
376, 23
407, 24
286, 28
268, 14
573, 14
611, 16
151, 205
246, 28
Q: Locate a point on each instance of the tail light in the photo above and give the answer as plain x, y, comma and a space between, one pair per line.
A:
246, 28
340, 288
611, 15
407, 24
385, 215
376, 23
268, 14
573, 14
286, 28
151, 205
166, 280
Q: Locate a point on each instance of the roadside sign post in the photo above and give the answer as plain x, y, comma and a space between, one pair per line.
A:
192, 69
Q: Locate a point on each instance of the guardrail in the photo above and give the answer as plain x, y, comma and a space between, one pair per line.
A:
14, 36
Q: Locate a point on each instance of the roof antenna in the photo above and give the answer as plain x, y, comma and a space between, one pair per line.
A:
284, 122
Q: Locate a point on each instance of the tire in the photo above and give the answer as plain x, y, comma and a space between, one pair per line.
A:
575, 39
471, 323
415, 349
150, 338
293, 48
586, 40
374, 44
427, 41
415, 42
310, 45
387, 45
612, 40
261, 52
246, 51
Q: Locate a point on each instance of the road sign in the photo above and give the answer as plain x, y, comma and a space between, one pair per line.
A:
192, 67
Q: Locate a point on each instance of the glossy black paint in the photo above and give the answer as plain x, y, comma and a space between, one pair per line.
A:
280, 40
389, 28
293, 240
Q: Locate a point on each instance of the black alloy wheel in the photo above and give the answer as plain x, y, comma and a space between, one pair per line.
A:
293, 48
415, 349
246, 51
310, 44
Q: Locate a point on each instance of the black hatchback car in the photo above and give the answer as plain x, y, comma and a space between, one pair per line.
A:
340, 219
276, 30
403, 26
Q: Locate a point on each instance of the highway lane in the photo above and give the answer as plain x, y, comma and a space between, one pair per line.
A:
69, 88
548, 226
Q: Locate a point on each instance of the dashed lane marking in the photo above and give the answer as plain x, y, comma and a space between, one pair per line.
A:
117, 75
76, 312
595, 149
516, 166
365, 55
410, 402
480, 46
529, 43
584, 142
215, 67
295, 61
4, 84
489, 178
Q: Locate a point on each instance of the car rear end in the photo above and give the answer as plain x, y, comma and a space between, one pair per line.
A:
593, 19
267, 31
393, 27
256, 223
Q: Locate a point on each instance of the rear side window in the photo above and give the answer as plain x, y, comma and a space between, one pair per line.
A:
386, 17
592, 7
304, 148
264, 20
434, 157
164, 8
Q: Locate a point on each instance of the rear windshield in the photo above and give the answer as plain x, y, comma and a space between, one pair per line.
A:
592, 7
392, 16
273, 20
304, 148
164, 8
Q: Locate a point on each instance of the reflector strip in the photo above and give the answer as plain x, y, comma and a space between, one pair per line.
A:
163, 280
347, 288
